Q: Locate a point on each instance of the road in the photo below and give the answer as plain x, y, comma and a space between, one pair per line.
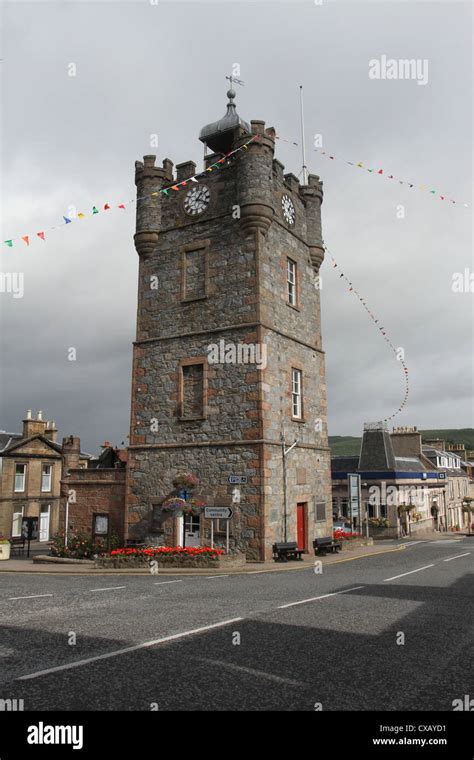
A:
292, 640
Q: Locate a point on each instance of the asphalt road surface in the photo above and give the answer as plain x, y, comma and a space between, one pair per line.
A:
387, 632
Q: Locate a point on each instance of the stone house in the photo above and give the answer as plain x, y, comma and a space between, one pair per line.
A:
31, 467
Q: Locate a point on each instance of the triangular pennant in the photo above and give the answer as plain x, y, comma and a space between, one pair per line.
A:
80, 215
106, 206
380, 171
360, 165
175, 187
193, 179
121, 205
9, 243
94, 210
66, 220
40, 235
26, 239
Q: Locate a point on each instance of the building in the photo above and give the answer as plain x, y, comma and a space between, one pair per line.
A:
94, 496
401, 489
228, 359
31, 469
451, 461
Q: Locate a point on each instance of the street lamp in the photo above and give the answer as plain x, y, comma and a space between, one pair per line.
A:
285, 452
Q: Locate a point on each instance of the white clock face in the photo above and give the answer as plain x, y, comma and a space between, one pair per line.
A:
288, 209
197, 200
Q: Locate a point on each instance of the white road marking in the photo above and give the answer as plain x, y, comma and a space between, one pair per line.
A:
315, 598
136, 648
216, 576
394, 577
447, 541
110, 588
257, 572
456, 557
251, 671
412, 543
163, 583
35, 596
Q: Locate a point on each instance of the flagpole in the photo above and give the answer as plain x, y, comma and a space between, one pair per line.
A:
305, 169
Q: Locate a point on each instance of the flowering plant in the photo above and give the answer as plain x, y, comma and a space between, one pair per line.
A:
174, 504
185, 480
156, 551
4, 540
339, 533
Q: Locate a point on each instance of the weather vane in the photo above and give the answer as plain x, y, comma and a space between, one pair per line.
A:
233, 79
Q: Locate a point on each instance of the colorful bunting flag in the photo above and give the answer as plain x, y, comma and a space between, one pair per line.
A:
26, 239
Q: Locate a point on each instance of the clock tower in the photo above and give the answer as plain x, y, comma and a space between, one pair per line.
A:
228, 366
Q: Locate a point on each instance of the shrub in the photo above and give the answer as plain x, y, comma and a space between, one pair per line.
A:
79, 546
156, 551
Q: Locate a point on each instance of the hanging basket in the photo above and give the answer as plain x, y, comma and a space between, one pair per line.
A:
174, 506
186, 480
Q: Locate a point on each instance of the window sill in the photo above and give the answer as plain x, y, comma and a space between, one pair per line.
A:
191, 419
298, 419
293, 306
194, 298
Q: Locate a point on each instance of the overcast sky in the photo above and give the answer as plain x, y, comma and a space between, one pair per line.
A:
144, 69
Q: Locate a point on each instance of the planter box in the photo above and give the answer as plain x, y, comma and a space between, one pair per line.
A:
5, 551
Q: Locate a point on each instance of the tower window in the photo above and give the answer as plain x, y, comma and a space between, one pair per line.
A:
193, 389
194, 271
291, 281
296, 397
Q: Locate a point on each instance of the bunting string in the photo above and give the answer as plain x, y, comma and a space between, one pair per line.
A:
175, 186
381, 172
381, 329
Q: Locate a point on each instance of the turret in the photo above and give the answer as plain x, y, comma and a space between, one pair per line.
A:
255, 194
312, 194
150, 179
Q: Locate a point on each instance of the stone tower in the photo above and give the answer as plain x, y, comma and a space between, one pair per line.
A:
228, 357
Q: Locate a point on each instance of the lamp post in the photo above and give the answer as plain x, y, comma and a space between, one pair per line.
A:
285, 452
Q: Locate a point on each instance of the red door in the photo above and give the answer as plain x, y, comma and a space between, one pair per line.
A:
301, 526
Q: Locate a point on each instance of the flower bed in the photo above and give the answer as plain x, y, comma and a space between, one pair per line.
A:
158, 551
340, 534
166, 556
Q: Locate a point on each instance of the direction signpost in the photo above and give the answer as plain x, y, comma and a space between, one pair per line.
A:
219, 513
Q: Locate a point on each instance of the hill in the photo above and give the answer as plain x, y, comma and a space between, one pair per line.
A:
349, 445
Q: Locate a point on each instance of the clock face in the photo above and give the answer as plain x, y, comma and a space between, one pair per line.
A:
288, 209
197, 200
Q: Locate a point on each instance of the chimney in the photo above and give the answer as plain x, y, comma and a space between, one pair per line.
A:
51, 431
436, 443
71, 452
32, 426
406, 442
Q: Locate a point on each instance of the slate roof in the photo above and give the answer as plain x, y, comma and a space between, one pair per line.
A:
344, 464
376, 452
6, 439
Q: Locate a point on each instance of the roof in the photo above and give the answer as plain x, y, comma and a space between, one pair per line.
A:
23, 441
376, 452
6, 439
409, 464
344, 464
218, 134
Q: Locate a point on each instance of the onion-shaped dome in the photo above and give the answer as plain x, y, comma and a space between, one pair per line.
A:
219, 135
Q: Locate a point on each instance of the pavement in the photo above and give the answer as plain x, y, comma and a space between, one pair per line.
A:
25, 564
390, 631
